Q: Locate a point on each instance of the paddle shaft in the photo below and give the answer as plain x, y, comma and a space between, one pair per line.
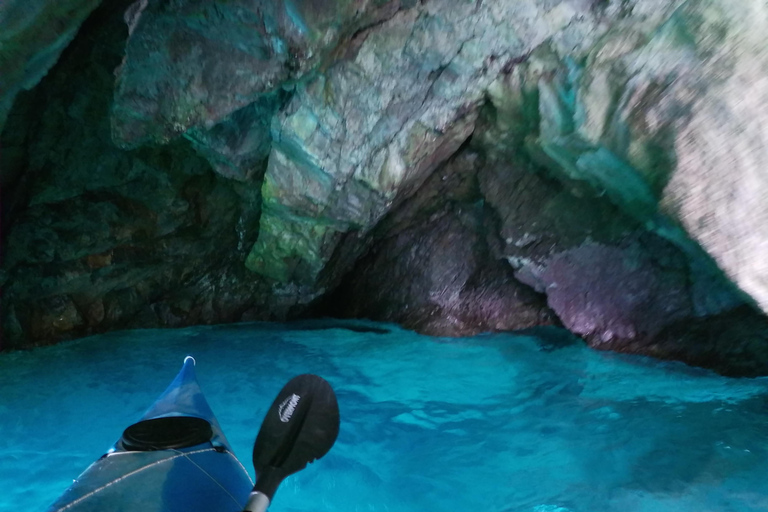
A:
257, 502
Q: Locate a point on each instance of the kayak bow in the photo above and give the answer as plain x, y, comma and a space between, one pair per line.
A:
175, 459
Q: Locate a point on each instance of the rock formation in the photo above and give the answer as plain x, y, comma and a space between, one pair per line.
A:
33, 35
454, 166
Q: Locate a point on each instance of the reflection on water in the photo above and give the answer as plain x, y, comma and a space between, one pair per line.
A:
533, 423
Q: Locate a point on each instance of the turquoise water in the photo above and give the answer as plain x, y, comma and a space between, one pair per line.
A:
497, 423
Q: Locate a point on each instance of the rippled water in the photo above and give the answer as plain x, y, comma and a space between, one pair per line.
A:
494, 423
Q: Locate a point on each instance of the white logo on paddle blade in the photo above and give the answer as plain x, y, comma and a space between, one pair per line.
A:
285, 409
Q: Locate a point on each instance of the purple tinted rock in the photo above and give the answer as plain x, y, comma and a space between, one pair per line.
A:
612, 294
438, 278
435, 265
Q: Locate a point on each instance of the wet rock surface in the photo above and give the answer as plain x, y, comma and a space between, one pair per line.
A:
732, 343
33, 35
190, 64
98, 238
621, 277
455, 167
435, 265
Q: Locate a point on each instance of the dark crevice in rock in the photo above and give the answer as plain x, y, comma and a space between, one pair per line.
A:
33, 35
348, 46
20, 158
551, 337
733, 343
354, 244
434, 265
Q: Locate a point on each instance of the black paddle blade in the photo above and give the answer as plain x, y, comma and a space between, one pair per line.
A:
301, 426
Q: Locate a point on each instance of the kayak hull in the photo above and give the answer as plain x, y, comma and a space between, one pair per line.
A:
203, 477
199, 478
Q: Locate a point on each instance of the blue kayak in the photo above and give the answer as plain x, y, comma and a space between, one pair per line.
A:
175, 459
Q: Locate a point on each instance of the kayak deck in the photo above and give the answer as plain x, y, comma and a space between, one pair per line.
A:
198, 478
162, 466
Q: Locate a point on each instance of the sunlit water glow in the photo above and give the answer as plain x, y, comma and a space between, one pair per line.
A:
497, 423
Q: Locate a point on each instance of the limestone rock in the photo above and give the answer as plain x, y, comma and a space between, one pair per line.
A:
190, 64
238, 146
33, 33
435, 266
606, 126
719, 188
653, 117
96, 238
364, 135
455, 166
616, 294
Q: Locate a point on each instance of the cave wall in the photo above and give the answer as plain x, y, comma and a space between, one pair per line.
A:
453, 166
436, 264
99, 238
33, 35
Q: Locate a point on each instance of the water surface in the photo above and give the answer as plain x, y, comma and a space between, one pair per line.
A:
497, 423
